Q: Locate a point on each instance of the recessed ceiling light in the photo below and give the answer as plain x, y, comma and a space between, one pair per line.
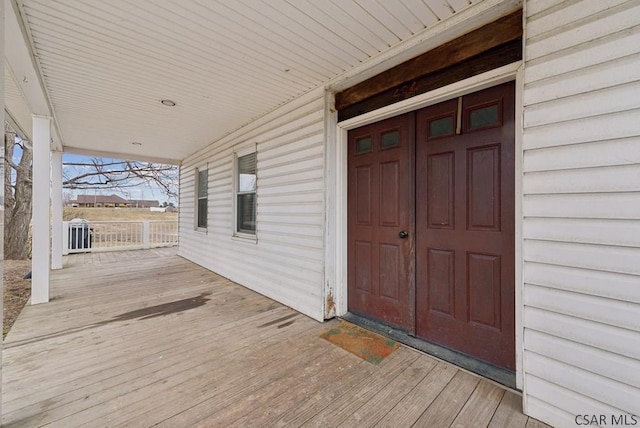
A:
168, 103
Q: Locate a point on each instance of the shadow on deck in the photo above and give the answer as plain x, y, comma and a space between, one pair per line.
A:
144, 338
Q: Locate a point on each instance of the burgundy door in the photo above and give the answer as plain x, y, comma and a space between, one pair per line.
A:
378, 213
465, 225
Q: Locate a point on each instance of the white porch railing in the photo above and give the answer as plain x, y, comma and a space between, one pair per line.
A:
82, 237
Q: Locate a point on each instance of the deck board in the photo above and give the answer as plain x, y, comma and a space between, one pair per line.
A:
146, 338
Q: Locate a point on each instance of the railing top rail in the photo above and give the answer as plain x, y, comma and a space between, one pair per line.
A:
122, 221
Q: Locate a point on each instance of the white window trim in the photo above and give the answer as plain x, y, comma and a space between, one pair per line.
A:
238, 153
197, 198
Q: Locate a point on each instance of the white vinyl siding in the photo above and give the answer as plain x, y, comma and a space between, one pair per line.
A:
286, 260
581, 208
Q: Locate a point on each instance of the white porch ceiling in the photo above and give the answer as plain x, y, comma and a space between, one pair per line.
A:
16, 105
106, 65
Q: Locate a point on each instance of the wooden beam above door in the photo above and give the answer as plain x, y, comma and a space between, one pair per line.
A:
504, 30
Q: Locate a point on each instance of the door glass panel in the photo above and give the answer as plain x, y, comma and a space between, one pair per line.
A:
441, 127
364, 145
390, 139
483, 117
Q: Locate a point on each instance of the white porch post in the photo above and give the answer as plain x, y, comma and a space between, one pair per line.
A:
56, 210
41, 208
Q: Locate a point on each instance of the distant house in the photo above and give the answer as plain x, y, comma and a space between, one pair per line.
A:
111, 201
143, 203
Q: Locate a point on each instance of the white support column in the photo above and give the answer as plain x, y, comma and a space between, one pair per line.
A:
40, 253
56, 210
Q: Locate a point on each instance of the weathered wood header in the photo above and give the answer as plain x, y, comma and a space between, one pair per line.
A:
480, 50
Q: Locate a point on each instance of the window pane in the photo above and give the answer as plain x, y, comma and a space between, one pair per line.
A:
483, 117
390, 139
440, 127
203, 183
202, 212
363, 145
247, 213
247, 173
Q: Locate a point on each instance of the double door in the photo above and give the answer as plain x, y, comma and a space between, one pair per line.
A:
431, 224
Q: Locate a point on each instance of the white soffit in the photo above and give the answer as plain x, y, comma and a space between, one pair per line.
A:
106, 66
17, 109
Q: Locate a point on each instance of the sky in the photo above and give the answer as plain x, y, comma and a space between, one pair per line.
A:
146, 191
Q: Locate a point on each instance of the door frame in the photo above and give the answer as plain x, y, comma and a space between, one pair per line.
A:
337, 177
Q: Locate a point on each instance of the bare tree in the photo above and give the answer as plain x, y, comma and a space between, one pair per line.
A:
112, 174
17, 196
95, 173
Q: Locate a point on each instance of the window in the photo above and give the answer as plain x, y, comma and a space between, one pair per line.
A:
202, 191
246, 186
390, 139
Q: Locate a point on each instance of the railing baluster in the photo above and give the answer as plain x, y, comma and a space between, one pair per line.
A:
115, 236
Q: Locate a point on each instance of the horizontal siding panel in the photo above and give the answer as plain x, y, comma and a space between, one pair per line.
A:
312, 185
291, 208
597, 257
624, 178
618, 19
289, 143
589, 231
292, 198
535, 7
609, 48
622, 369
313, 118
600, 128
300, 166
587, 281
296, 251
249, 262
306, 230
283, 218
588, 205
560, 406
584, 105
291, 240
572, 12
291, 176
620, 397
311, 148
607, 338
548, 413
606, 311
603, 75
588, 155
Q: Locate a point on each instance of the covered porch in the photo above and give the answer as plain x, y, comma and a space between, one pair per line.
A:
140, 338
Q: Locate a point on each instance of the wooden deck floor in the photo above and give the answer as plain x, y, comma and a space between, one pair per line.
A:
146, 338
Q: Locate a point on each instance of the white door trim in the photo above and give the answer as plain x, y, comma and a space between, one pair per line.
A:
336, 264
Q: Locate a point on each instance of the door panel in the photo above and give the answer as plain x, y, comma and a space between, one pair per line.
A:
465, 249
378, 194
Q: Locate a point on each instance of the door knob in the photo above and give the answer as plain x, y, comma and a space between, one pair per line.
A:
403, 234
